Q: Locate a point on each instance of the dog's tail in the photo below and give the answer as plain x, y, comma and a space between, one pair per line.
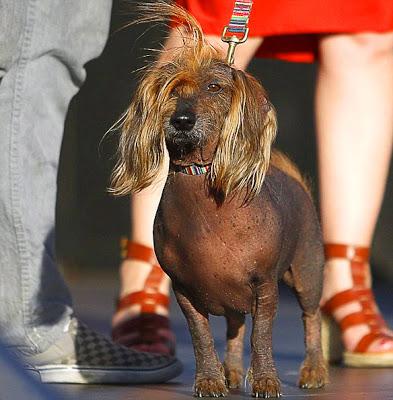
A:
283, 163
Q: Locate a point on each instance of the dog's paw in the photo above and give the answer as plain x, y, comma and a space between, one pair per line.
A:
266, 387
210, 387
234, 378
313, 376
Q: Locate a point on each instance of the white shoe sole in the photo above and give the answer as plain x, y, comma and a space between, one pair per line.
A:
107, 375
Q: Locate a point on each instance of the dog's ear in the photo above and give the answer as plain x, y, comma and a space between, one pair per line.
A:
141, 145
243, 152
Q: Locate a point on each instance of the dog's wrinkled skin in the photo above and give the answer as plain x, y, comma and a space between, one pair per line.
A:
227, 237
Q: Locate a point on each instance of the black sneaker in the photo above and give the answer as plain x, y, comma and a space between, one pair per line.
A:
84, 356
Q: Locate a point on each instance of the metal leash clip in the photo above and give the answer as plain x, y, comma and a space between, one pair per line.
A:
233, 41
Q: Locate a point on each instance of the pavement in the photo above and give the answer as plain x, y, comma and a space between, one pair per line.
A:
94, 301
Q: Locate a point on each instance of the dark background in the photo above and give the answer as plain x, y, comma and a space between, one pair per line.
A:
90, 222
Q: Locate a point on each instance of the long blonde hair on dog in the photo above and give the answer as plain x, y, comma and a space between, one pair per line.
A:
242, 155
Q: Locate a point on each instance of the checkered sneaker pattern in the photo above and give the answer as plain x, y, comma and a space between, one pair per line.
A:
94, 350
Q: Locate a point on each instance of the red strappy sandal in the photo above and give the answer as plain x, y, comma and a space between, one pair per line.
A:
148, 331
369, 315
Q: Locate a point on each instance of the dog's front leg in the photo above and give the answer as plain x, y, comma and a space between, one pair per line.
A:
262, 374
209, 376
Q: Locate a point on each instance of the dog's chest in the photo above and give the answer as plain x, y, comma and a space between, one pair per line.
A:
217, 255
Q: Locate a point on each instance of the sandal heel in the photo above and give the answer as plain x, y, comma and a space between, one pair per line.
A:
332, 346
367, 314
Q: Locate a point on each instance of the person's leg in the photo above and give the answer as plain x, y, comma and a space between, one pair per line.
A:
42, 67
354, 118
133, 273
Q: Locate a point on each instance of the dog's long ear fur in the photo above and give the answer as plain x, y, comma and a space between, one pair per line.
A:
243, 153
141, 147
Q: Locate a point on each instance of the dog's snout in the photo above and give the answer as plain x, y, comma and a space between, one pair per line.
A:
183, 121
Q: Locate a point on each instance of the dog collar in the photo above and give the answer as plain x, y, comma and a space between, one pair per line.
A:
193, 169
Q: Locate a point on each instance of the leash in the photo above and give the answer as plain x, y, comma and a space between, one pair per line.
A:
236, 31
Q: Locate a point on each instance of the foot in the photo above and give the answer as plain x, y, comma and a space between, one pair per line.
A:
206, 386
234, 378
338, 278
84, 356
133, 275
139, 325
313, 374
266, 387
146, 332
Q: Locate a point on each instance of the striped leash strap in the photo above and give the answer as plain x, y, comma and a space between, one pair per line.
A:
237, 31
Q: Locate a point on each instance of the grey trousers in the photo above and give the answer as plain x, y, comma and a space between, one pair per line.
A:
44, 45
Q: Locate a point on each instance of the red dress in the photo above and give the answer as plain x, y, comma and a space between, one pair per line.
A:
291, 27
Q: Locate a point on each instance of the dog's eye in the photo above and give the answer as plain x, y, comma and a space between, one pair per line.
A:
213, 87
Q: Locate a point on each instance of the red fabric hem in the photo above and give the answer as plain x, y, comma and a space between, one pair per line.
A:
291, 28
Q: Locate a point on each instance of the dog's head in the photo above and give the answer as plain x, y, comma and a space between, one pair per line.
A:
204, 111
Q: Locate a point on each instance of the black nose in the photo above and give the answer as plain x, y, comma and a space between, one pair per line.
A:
183, 121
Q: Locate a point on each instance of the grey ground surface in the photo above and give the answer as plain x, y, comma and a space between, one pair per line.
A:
94, 300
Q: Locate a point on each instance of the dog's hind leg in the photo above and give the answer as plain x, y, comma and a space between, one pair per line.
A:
307, 279
233, 364
314, 371
262, 374
209, 376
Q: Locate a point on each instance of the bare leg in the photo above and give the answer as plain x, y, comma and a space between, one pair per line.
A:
354, 117
133, 273
209, 376
233, 364
262, 374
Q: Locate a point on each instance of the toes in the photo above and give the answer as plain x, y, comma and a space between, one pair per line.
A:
266, 387
210, 387
234, 378
313, 377
383, 344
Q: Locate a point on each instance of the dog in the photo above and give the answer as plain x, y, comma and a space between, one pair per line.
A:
235, 217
